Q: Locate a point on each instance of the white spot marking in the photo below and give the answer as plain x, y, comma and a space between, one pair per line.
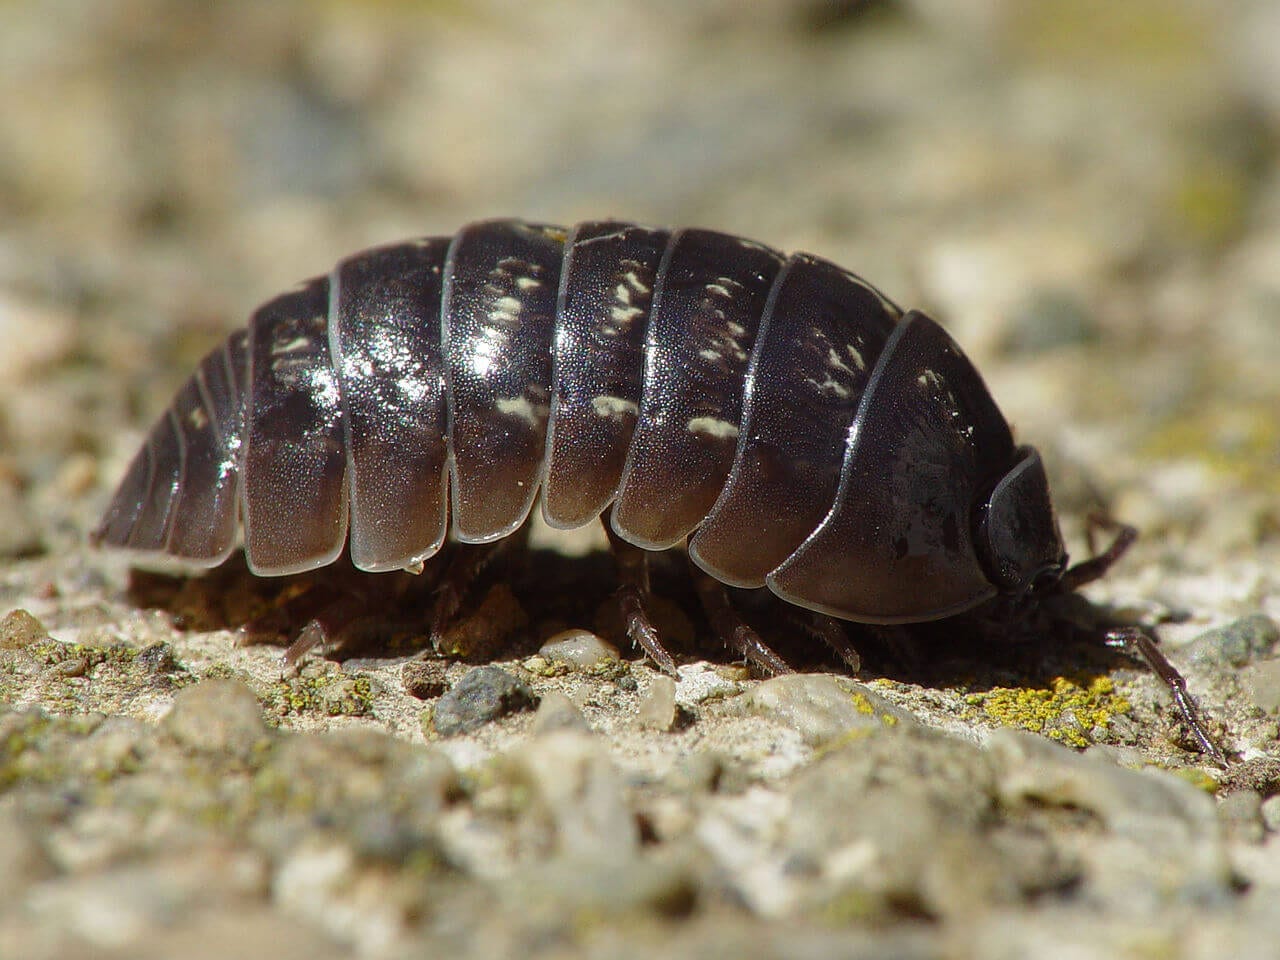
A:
324, 387
634, 282
613, 408
831, 386
929, 378
505, 310
713, 427
624, 317
527, 283
300, 342
835, 362
521, 407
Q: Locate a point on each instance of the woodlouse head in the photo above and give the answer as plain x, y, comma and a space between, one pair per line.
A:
1018, 541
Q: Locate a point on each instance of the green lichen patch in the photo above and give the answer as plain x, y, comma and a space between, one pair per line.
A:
324, 691
36, 747
102, 674
1077, 713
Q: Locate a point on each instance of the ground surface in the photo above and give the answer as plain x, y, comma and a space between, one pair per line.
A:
1087, 193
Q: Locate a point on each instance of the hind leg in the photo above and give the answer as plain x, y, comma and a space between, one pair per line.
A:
730, 628
633, 596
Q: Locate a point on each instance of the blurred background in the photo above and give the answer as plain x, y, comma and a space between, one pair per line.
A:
1086, 193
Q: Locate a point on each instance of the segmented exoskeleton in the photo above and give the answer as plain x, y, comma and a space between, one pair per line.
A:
806, 432
783, 416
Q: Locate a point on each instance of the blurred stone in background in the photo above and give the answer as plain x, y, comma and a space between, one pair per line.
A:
1086, 193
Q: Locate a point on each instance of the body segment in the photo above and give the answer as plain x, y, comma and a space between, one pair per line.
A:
779, 411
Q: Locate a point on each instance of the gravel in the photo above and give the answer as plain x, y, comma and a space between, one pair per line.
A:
1087, 195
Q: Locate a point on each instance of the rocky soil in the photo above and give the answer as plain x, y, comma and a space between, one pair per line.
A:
1087, 194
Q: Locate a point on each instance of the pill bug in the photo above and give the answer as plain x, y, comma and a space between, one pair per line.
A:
780, 414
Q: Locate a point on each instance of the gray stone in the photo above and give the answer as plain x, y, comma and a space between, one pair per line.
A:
574, 789
158, 658
1162, 839
1270, 811
1046, 320
1241, 816
217, 716
557, 712
23, 858
657, 710
579, 650
1262, 685
481, 696
1237, 643
822, 707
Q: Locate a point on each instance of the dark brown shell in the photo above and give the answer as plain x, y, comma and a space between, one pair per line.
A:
778, 412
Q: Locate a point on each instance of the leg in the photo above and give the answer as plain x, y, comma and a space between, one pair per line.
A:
633, 571
729, 627
328, 622
1096, 566
327, 607
830, 631
465, 566
1137, 644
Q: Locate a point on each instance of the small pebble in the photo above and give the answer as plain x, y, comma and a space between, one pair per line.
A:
482, 695
700, 682
157, 658
217, 716
821, 707
1270, 810
1047, 320
23, 858
20, 536
424, 679
20, 629
658, 705
1262, 685
72, 667
1241, 816
579, 649
557, 712
1237, 643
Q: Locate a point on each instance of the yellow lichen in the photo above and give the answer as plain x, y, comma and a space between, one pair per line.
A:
1065, 711
862, 704
1198, 778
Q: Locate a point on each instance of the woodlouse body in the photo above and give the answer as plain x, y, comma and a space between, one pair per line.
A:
799, 428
